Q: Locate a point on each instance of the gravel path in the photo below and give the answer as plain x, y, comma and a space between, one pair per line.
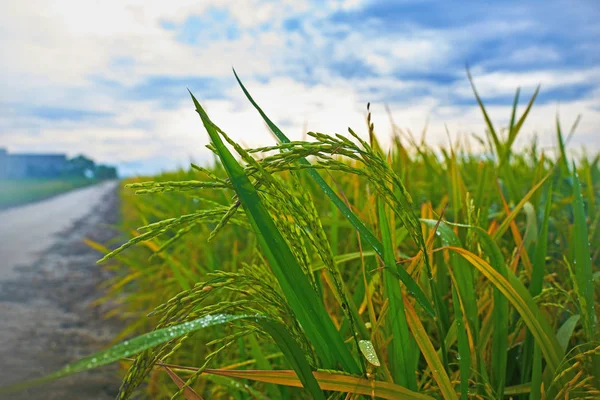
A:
48, 280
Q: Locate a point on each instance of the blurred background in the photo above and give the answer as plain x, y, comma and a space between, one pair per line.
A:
108, 78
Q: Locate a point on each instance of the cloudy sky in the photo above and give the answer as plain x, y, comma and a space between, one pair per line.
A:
108, 78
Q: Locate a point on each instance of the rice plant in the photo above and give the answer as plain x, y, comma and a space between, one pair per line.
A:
330, 268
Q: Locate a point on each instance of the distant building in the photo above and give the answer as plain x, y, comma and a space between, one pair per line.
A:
3, 162
21, 166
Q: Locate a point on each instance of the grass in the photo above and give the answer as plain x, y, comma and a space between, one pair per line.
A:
18, 192
330, 268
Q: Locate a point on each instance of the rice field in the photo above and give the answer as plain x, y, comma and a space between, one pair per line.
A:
333, 268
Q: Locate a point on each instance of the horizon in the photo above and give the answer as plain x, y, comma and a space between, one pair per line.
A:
109, 80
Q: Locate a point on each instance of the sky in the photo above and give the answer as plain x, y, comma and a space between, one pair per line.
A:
109, 78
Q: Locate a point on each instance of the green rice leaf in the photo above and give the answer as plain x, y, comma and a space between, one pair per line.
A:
516, 128
561, 146
488, 121
464, 274
511, 128
566, 331
500, 315
294, 355
400, 352
582, 262
535, 287
464, 351
367, 349
519, 297
584, 278
536, 376
329, 380
541, 249
519, 124
343, 258
515, 211
433, 360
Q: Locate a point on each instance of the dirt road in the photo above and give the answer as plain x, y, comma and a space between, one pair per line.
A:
48, 280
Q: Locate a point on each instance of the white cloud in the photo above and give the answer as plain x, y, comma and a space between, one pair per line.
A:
505, 83
64, 42
53, 48
533, 54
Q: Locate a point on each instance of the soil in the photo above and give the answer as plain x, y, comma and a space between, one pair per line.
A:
46, 314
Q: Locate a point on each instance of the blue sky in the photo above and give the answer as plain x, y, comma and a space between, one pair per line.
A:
109, 78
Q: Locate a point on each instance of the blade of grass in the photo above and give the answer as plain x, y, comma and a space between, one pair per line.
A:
536, 375
519, 124
582, 261
261, 362
516, 128
488, 121
582, 264
332, 381
519, 297
188, 392
294, 354
535, 287
499, 315
464, 274
515, 211
464, 350
437, 368
235, 385
368, 351
564, 333
343, 258
399, 353
511, 128
564, 164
